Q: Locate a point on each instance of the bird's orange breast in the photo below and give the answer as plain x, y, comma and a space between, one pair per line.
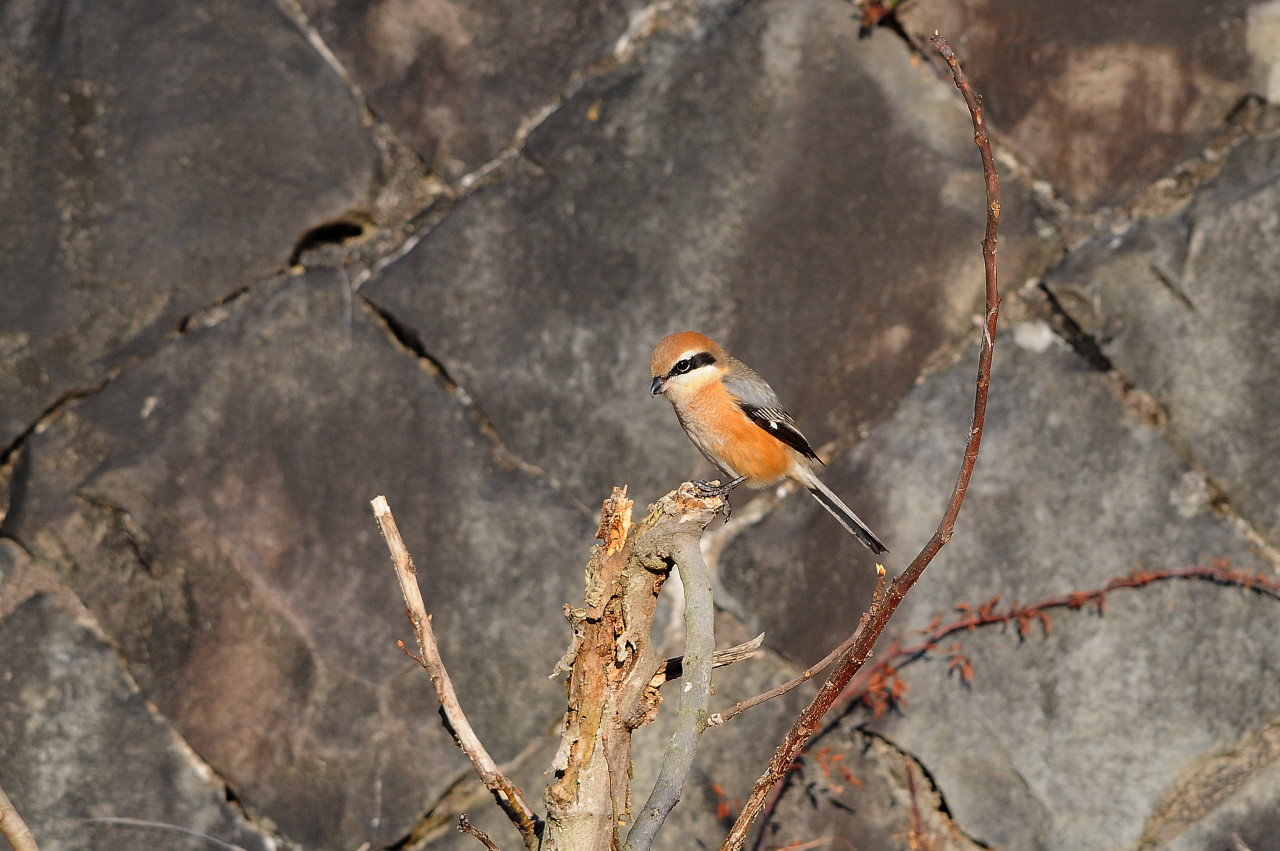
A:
732, 442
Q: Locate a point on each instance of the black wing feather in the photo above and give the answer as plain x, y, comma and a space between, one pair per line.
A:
779, 424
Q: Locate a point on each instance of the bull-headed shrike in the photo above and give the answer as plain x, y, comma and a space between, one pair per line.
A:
735, 419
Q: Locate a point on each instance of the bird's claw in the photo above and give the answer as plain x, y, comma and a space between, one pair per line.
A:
707, 490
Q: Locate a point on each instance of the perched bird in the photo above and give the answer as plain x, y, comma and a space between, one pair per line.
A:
735, 419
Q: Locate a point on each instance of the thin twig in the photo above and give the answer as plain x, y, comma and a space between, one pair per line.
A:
876, 679
700, 645
769, 802
916, 835
13, 828
883, 607
1025, 617
503, 790
797, 681
465, 826
162, 827
673, 668
779, 690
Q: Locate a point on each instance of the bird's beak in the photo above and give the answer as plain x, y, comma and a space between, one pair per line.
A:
658, 386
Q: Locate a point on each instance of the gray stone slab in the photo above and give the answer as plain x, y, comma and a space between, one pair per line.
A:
1102, 98
78, 742
1068, 740
767, 185
456, 80
757, 173
157, 157
1187, 309
211, 508
1227, 802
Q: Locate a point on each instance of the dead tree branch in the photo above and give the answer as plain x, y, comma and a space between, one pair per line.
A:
695, 693
673, 668
615, 672
504, 791
878, 686
13, 828
877, 617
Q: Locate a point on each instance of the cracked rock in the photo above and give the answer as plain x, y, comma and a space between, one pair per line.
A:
1067, 740
730, 185
1099, 98
211, 509
137, 139
191, 439
1186, 309
80, 746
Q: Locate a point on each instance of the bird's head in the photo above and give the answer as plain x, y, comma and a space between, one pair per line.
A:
684, 362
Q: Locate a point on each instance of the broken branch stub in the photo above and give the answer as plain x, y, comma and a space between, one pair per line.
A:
615, 669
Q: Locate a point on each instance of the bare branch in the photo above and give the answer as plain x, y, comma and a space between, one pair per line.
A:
503, 790
737, 653
791, 684
870, 682
700, 645
13, 828
673, 668
465, 826
884, 605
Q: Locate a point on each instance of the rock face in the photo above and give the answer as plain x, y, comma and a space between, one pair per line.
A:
1103, 99
74, 724
138, 139
266, 262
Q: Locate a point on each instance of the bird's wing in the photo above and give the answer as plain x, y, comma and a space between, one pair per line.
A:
758, 401
779, 424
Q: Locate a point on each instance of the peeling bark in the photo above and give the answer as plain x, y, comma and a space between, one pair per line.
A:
613, 683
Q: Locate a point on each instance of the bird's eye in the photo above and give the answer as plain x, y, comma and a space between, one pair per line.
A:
691, 363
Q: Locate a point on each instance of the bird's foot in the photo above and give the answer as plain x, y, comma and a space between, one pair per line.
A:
707, 489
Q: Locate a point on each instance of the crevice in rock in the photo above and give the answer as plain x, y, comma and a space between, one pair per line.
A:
247, 817
1147, 410
51, 413
293, 10
133, 534
336, 233
942, 809
1173, 287
1081, 342
1209, 785
880, 15
409, 340
207, 317
13, 480
643, 27
693, 19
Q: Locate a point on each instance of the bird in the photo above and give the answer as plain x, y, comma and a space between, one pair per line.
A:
738, 423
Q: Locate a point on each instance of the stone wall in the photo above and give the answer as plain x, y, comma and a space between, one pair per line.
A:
266, 261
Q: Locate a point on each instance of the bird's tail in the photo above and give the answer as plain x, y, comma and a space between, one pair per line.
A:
847, 518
